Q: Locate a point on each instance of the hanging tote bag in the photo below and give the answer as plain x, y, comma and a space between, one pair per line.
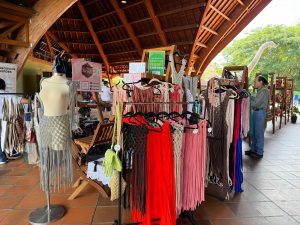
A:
112, 162
20, 128
4, 122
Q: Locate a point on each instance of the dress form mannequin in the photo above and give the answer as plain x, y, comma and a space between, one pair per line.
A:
55, 95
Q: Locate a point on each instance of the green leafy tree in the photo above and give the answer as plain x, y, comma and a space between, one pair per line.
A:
283, 60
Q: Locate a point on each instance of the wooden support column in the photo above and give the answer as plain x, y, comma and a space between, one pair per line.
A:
94, 36
127, 26
156, 23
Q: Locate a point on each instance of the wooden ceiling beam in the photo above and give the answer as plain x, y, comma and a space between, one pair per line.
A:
156, 22
132, 5
210, 30
103, 15
116, 41
240, 1
14, 42
182, 9
184, 27
109, 29
13, 17
118, 53
240, 18
71, 31
63, 46
201, 45
70, 19
127, 26
140, 20
76, 43
16, 10
218, 11
196, 41
11, 29
49, 44
93, 34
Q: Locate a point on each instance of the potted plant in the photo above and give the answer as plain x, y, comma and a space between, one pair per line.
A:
295, 111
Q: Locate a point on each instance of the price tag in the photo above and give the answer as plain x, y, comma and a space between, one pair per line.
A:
117, 148
195, 131
209, 130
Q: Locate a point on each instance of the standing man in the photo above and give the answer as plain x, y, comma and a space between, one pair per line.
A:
105, 94
259, 105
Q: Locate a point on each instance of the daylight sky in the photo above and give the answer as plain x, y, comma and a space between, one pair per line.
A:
286, 12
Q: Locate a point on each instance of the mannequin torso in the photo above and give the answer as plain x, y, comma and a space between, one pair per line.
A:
55, 95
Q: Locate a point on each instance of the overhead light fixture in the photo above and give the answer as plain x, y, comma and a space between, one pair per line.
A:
123, 1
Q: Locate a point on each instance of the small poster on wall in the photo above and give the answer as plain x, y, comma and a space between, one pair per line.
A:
8, 72
86, 75
156, 62
137, 67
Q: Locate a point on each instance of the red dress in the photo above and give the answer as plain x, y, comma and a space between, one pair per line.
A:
160, 196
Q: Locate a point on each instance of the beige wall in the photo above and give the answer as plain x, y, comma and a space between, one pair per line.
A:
27, 81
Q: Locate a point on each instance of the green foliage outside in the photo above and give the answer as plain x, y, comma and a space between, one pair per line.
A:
283, 60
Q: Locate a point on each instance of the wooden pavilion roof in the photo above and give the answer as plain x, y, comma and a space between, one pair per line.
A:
113, 33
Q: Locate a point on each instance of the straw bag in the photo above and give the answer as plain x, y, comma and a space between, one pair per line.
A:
112, 163
4, 122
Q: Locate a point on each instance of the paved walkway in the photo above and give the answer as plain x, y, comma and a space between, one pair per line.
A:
271, 192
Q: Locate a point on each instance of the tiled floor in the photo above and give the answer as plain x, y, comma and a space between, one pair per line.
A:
271, 192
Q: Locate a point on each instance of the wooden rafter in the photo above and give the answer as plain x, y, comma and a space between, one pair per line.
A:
209, 30
13, 42
13, 17
202, 45
196, 41
11, 29
240, 1
241, 15
109, 29
184, 27
71, 31
94, 35
156, 23
127, 26
132, 5
49, 44
182, 9
218, 11
103, 15
140, 20
63, 46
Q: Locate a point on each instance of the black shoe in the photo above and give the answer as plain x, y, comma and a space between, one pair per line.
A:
257, 156
15, 155
249, 152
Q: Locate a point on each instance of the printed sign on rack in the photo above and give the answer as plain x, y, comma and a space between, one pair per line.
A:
86, 75
137, 67
156, 62
132, 77
8, 73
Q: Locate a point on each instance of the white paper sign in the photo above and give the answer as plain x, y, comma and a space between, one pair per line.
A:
132, 77
137, 67
8, 72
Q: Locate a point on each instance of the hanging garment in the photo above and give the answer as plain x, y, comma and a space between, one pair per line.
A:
217, 171
134, 164
175, 96
147, 95
160, 197
177, 136
121, 96
166, 91
230, 121
245, 113
235, 157
177, 76
55, 148
193, 167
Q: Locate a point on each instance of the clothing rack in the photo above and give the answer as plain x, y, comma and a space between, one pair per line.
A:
184, 214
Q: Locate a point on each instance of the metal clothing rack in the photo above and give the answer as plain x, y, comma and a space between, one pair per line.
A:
184, 214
